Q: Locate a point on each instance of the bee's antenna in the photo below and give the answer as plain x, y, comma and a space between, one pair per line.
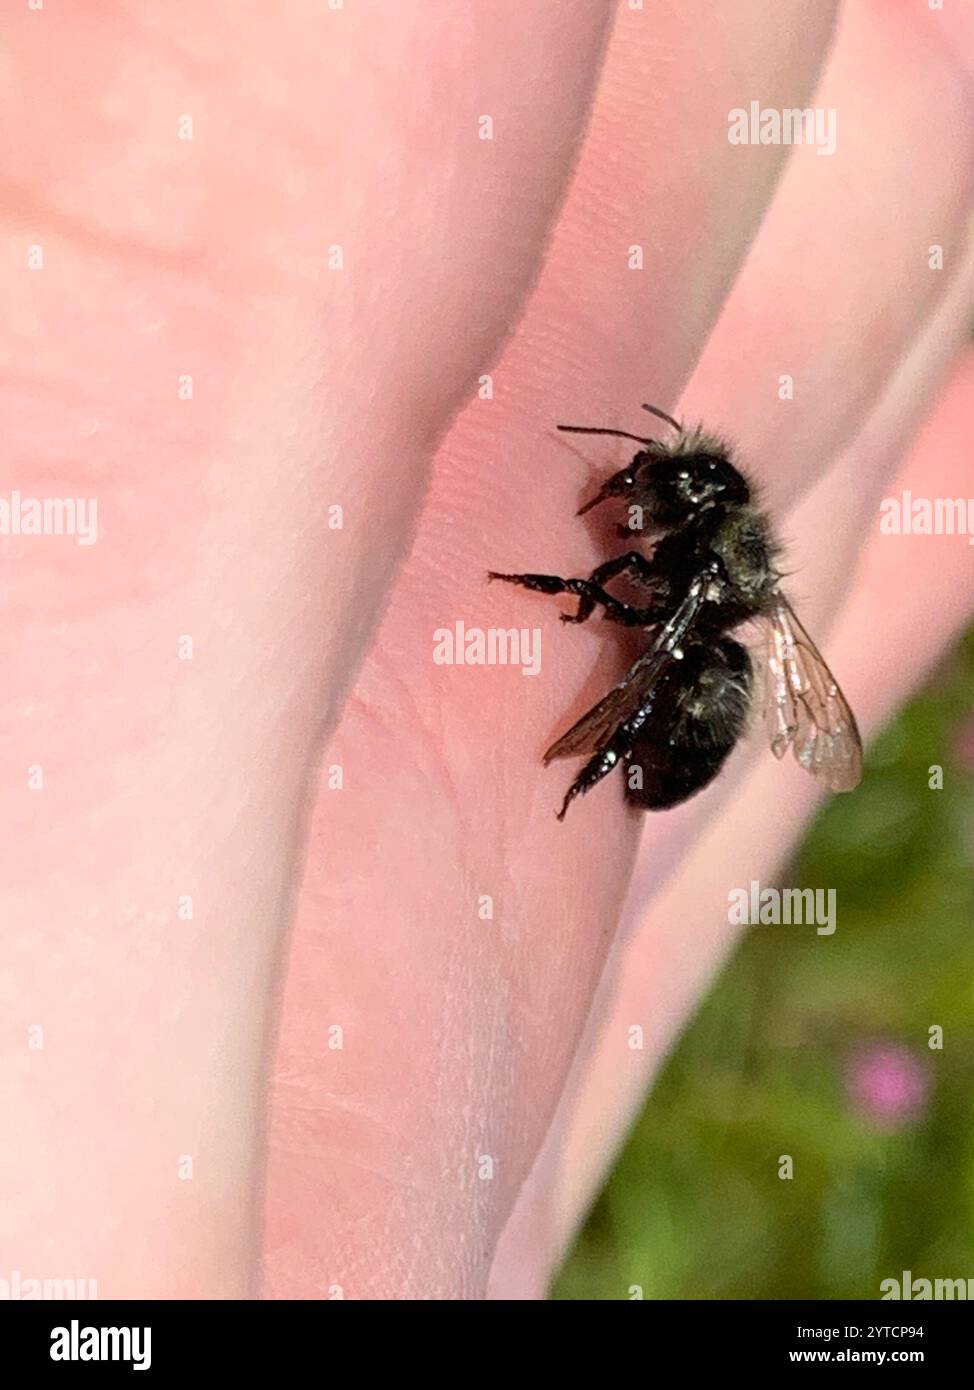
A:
595, 429
662, 415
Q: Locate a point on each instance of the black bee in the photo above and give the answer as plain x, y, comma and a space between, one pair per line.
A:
682, 706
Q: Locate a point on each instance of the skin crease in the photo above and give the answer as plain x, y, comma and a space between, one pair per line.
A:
165, 777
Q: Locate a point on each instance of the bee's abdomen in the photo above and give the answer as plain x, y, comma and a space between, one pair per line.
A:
702, 711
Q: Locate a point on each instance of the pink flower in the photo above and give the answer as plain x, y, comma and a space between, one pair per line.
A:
887, 1084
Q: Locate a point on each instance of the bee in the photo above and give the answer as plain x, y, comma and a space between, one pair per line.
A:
686, 701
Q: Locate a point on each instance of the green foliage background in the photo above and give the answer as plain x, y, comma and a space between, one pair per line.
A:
695, 1208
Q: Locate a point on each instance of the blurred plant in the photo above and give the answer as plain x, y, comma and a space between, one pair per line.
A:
963, 745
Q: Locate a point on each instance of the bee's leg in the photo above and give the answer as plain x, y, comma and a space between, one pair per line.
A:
615, 751
632, 564
618, 747
594, 770
589, 591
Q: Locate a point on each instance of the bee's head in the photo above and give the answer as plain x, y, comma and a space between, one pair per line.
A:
686, 483
673, 486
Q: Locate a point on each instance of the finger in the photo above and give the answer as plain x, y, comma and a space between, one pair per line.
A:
487, 921
252, 260
853, 257
912, 597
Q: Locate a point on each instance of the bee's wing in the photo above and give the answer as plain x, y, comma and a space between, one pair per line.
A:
596, 726
804, 707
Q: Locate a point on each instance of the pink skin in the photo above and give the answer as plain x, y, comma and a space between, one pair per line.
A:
163, 777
